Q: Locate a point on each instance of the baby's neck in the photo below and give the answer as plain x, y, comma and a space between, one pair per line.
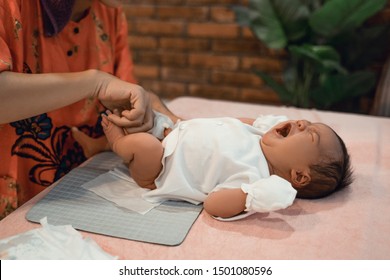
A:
270, 167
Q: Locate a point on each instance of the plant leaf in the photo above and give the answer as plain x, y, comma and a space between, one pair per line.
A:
324, 56
294, 18
242, 15
339, 87
360, 48
338, 16
283, 93
266, 25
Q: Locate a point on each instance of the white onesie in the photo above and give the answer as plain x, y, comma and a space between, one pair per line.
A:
206, 154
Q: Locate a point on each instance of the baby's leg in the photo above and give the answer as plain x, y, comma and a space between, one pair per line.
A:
146, 164
113, 132
141, 150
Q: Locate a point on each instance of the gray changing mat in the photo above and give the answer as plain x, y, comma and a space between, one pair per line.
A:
68, 203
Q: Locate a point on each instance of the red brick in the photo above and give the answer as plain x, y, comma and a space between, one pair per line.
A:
213, 30
184, 44
150, 27
237, 46
142, 42
263, 95
195, 47
236, 79
174, 74
142, 72
215, 92
137, 11
165, 90
247, 33
173, 59
147, 57
211, 61
222, 14
261, 63
160, 58
181, 12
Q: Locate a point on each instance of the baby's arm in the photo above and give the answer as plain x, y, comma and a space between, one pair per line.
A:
225, 203
265, 195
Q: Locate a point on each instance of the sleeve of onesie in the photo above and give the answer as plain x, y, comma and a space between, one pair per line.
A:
266, 122
269, 194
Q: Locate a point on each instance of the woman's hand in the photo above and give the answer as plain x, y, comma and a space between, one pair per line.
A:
132, 101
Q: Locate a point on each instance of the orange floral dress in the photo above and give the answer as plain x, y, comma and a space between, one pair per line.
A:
37, 151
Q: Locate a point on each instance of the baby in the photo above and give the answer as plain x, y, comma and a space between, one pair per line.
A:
235, 167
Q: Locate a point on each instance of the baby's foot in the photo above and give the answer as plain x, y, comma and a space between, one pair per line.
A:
91, 146
111, 130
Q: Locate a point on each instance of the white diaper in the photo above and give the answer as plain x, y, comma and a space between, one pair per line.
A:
160, 123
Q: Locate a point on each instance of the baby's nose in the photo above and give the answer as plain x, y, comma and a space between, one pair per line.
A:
303, 124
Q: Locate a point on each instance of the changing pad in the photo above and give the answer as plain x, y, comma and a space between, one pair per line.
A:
69, 203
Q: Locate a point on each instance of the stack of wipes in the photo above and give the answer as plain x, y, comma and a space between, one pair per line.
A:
51, 243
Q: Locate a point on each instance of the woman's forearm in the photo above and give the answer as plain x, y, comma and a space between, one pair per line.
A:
27, 95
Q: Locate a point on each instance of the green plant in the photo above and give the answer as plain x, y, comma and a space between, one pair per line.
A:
329, 46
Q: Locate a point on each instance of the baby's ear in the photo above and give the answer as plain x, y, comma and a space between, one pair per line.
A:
300, 178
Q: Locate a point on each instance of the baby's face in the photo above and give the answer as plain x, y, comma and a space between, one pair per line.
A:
298, 144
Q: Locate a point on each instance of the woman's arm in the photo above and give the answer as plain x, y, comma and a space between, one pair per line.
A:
225, 203
27, 95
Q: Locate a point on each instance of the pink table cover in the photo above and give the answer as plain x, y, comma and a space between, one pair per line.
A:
352, 224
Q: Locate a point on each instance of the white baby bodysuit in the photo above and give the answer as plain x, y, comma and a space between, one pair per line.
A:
206, 154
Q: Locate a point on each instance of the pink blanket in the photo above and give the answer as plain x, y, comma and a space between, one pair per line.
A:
352, 224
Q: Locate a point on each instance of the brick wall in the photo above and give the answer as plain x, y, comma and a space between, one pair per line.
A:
195, 48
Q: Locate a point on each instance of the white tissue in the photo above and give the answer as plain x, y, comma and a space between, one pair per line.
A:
118, 187
51, 243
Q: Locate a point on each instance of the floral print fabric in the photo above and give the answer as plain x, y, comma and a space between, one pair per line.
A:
37, 151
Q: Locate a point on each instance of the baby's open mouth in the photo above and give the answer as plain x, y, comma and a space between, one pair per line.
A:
284, 130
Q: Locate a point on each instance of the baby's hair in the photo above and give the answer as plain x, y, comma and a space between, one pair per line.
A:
329, 175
